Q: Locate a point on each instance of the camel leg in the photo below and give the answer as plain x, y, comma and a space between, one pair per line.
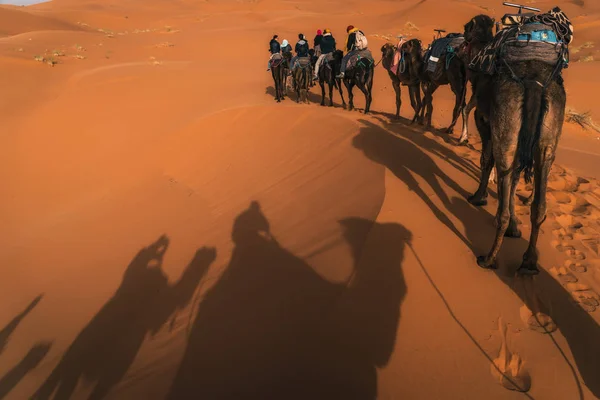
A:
369, 87
349, 87
415, 100
460, 92
331, 85
550, 131
486, 160
529, 201
338, 83
431, 88
464, 137
322, 84
396, 86
513, 230
505, 123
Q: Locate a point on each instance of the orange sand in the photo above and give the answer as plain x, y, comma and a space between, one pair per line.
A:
159, 119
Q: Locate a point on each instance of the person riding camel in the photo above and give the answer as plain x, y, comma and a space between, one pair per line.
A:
317, 43
356, 42
301, 50
274, 48
327, 47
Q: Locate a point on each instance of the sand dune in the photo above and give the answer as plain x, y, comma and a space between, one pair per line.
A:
169, 231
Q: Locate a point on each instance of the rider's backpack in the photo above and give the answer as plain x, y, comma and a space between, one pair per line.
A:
360, 42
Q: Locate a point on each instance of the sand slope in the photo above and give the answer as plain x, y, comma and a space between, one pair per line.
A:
171, 232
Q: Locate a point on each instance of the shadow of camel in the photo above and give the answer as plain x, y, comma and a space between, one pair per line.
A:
107, 346
542, 293
272, 328
312, 97
403, 158
12, 325
31, 360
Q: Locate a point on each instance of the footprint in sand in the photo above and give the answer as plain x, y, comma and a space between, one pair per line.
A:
585, 296
563, 275
562, 246
562, 234
538, 322
576, 267
508, 367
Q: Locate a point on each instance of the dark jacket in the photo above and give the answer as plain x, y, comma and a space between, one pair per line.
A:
318, 40
287, 49
327, 44
352, 40
302, 48
274, 46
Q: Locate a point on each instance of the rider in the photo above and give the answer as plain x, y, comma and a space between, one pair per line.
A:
352, 47
274, 48
301, 49
317, 43
327, 47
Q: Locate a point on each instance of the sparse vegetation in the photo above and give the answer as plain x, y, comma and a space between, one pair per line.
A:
582, 119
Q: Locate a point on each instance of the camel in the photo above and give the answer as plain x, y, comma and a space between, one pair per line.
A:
327, 74
452, 68
279, 73
407, 72
302, 76
519, 115
360, 75
478, 33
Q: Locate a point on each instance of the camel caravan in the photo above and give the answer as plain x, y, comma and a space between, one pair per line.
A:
514, 67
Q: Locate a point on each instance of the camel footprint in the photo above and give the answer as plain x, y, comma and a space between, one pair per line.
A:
508, 367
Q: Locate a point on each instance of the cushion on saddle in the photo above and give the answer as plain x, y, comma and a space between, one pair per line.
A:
360, 55
302, 62
276, 60
542, 37
440, 47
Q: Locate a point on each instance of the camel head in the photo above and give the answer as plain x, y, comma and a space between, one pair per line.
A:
480, 28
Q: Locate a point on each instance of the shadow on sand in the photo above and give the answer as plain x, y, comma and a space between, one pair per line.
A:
401, 156
107, 346
312, 97
35, 355
272, 328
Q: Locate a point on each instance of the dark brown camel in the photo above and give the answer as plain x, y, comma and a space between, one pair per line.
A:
407, 72
519, 115
477, 32
302, 76
327, 75
279, 72
360, 75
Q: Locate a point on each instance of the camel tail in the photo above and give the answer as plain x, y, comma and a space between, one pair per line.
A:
533, 112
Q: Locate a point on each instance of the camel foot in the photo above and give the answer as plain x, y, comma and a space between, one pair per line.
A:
484, 263
528, 201
449, 131
512, 232
528, 269
464, 143
477, 201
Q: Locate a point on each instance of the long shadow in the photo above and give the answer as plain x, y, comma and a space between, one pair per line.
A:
33, 358
404, 158
272, 328
105, 349
8, 330
312, 96
30, 361
579, 328
415, 135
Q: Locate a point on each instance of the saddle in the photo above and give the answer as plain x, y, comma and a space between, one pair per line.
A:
276, 60
328, 58
302, 62
542, 37
441, 47
359, 56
